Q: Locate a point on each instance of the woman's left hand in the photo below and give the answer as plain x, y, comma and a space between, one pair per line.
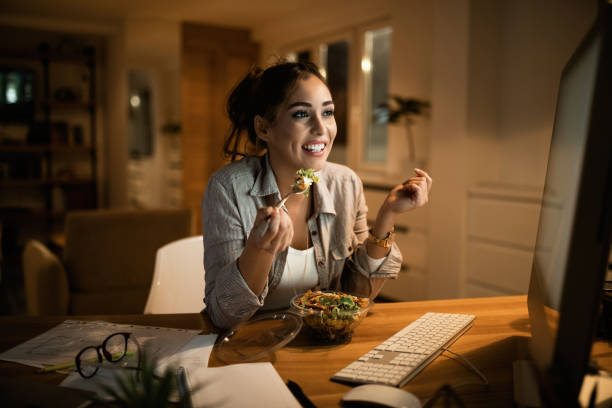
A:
412, 193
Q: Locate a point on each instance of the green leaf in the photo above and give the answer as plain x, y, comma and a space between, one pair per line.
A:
144, 389
345, 300
324, 301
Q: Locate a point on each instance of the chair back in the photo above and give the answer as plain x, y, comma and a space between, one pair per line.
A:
110, 254
178, 279
45, 282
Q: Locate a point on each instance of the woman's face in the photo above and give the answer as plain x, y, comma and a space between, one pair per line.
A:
304, 128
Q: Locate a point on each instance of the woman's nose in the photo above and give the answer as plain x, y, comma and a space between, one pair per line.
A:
317, 125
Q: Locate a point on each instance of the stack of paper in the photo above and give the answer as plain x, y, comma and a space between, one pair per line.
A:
62, 343
239, 385
193, 355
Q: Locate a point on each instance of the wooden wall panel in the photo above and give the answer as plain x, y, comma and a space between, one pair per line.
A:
213, 60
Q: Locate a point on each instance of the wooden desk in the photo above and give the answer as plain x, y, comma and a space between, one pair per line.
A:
496, 339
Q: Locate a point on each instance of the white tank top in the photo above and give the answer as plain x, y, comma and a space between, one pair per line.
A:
299, 275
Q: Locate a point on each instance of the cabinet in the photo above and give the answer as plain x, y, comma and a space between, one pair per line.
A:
502, 225
48, 156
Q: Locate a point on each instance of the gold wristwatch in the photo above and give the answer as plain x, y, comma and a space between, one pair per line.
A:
386, 242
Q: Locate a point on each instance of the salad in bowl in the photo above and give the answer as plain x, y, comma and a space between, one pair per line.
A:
332, 315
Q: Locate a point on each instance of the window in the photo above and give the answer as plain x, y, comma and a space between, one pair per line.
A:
375, 69
332, 57
358, 78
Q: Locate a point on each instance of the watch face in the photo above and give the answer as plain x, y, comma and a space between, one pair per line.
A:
386, 242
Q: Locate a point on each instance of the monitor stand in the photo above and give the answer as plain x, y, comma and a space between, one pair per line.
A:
525, 384
596, 389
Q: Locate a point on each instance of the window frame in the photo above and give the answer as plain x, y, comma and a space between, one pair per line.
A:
358, 155
356, 82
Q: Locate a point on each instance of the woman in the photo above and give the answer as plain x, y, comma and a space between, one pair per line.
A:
257, 256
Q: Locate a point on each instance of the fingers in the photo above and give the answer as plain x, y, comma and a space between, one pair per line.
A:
264, 213
282, 240
272, 230
281, 236
410, 189
422, 178
423, 173
412, 193
262, 224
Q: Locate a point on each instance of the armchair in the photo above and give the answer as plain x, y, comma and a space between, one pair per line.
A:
108, 261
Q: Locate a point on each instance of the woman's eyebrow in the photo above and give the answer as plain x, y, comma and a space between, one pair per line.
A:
308, 105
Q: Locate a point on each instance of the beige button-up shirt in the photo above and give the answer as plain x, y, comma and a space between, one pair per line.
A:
338, 230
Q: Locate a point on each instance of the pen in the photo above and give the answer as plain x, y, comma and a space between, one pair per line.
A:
297, 392
71, 364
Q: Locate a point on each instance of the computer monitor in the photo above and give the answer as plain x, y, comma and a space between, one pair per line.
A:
573, 240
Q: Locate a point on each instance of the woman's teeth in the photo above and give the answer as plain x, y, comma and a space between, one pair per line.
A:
315, 148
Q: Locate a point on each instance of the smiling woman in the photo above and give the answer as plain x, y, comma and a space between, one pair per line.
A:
259, 254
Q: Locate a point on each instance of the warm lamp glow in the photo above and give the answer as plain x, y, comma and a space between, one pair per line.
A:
135, 101
366, 65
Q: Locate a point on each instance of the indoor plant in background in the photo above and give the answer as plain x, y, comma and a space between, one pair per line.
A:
402, 109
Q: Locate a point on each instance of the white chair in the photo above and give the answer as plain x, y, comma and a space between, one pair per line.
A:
178, 278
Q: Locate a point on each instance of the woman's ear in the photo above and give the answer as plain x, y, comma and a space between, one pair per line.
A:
262, 128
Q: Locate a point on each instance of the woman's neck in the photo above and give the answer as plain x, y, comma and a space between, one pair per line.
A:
284, 175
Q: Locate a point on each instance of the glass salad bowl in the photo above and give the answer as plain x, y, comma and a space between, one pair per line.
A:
331, 315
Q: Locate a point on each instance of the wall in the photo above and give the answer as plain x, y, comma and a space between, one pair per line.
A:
153, 46
538, 39
150, 45
410, 68
517, 50
449, 155
490, 69
516, 53
115, 137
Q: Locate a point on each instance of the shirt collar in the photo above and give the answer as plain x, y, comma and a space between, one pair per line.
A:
324, 202
265, 182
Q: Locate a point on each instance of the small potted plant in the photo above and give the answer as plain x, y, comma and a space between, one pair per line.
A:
145, 388
404, 109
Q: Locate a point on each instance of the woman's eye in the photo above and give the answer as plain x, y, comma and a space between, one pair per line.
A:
329, 112
300, 114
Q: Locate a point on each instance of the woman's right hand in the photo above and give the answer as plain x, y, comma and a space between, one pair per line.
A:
272, 231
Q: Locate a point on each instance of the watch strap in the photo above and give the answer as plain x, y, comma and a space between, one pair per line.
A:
385, 242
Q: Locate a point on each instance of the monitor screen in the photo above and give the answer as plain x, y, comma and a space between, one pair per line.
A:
574, 233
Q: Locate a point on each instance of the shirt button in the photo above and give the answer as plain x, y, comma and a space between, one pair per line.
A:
313, 232
321, 263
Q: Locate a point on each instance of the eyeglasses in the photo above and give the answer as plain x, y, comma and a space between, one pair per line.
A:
113, 349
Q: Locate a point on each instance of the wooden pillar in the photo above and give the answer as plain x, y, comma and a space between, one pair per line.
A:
213, 60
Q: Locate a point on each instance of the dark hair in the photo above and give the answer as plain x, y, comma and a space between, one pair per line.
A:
261, 92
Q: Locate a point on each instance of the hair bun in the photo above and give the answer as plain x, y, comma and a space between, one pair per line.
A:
240, 101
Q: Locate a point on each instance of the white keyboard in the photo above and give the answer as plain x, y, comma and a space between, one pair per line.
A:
402, 356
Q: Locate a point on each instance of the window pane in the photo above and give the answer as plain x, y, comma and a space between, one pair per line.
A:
13, 84
140, 132
334, 64
375, 68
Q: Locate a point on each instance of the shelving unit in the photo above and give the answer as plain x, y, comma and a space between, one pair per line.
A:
54, 169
